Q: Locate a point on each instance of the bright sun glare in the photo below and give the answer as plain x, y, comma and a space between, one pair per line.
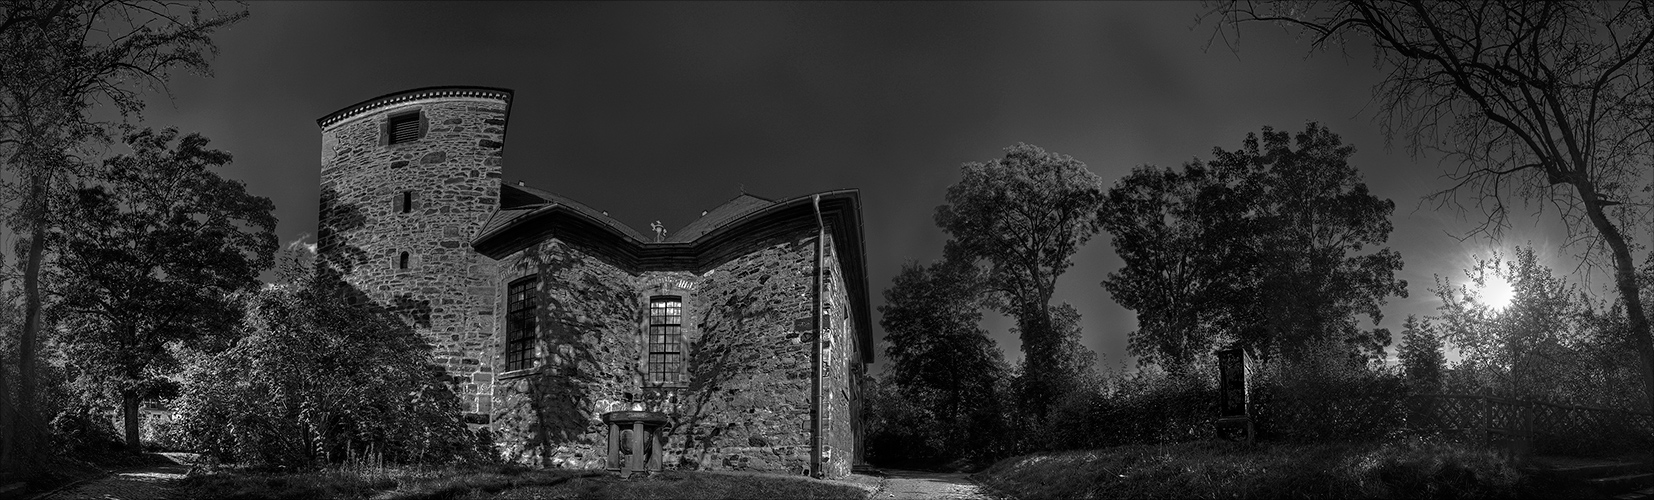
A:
1496, 292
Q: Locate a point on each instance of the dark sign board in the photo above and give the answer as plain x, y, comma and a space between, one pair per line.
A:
1231, 383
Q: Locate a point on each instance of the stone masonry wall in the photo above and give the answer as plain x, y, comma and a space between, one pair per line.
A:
447, 291
746, 325
839, 386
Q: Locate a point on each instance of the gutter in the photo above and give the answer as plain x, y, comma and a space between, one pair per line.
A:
815, 351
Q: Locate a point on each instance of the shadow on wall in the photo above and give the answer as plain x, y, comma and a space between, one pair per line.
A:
575, 338
743, 407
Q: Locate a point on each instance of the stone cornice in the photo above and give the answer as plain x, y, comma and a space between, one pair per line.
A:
394, 98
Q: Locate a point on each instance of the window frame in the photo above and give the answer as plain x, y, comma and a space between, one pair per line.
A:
660, 331
520, 312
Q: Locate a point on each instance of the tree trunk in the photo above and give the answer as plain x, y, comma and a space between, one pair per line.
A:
26, 422
8, 428
129, 410
1625, 279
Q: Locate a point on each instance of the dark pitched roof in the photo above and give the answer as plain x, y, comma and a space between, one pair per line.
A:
730, 211
515, 198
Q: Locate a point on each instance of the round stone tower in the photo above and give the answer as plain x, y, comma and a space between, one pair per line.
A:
407, 181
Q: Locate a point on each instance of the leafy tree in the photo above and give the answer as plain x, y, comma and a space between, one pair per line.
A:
1536, 346
1024, 215
1421, 354
318, 374
939, 357
1183, 242
1258, 247
1542, 102
62, 58
155, 247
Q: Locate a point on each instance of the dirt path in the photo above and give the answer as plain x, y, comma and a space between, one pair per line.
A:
150, 482
914, 485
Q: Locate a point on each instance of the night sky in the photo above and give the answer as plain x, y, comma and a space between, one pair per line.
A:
657, 111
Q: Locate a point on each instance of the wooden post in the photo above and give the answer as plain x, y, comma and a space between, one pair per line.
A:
1487, 416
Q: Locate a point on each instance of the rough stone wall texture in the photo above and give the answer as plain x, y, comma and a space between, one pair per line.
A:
447, 291
586, 346
839, 386
746, 328
748, 407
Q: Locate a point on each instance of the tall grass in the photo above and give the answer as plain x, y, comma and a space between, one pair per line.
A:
366, 480
1232, 470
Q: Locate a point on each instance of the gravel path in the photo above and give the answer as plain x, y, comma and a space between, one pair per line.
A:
150, 482
915, 485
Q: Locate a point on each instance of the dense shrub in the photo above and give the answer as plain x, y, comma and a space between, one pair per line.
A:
1147, 406
319, 374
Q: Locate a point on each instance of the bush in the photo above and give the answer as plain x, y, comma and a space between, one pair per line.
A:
84, 431
314, 379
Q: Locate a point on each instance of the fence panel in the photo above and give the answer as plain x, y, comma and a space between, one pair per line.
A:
1538, 426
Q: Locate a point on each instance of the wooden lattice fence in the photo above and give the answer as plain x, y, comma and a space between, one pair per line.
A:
1532, 426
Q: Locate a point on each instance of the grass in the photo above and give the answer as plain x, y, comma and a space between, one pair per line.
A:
504, 483
1232, 470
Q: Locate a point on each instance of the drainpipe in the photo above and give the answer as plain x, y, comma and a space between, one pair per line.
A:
815, 352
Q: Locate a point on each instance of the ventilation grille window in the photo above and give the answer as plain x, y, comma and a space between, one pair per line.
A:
404, 128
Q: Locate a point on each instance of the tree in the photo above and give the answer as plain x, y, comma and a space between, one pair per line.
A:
1545, 102
317, 374
1260, 247
1182, 239
1532, 346
154, 248
64, 57
1024, 215
1421, 353
939, 357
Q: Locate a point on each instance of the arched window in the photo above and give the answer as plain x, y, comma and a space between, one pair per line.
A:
402, 261
664, 365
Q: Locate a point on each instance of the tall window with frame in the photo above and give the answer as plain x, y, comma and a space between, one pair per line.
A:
665, 337
520, 324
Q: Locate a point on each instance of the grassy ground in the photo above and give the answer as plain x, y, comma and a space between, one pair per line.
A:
1232, 470
505, 483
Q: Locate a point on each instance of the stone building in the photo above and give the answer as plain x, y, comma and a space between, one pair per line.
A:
547, 313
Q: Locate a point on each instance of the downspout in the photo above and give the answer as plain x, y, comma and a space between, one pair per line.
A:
815, 351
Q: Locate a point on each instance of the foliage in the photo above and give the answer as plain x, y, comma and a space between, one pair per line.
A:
1549, 344
944, 370
319, 374
1230, 470
1146, 406
1024, 215
155, 248
64, 57
1257, 248
1543, 102
1422, 359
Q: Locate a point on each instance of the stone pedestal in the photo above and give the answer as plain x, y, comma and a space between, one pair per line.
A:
641, 433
